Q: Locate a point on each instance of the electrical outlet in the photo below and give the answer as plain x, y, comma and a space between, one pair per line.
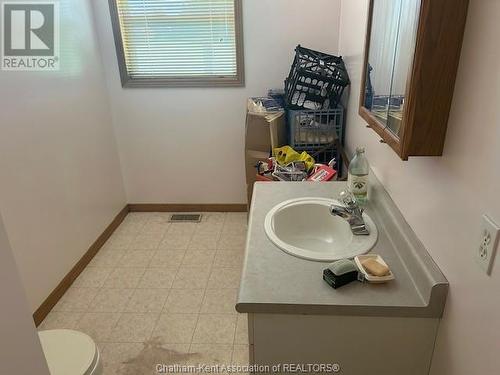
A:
488, 242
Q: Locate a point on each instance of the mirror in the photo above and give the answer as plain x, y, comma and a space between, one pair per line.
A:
392, 44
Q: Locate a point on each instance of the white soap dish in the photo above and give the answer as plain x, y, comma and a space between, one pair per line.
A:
371, 278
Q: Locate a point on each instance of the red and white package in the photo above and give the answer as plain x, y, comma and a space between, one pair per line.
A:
322, 173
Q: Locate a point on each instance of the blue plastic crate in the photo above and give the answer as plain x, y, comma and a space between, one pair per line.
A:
315, 128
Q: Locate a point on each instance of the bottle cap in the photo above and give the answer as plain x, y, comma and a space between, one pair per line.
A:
360, 150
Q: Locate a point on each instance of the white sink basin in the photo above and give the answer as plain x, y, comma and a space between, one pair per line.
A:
305, 228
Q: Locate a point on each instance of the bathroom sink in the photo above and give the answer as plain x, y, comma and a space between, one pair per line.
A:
305, 228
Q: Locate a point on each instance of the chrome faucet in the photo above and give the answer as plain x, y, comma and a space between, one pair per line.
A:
352, 213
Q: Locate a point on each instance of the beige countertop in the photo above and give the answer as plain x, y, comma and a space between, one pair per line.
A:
275, 282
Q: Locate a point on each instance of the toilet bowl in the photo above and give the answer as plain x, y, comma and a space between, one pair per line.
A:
70, 352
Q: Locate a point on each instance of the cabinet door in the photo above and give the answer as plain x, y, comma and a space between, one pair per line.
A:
403, 61
381, 55
392, 45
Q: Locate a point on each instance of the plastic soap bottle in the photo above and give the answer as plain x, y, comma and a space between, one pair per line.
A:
357, 179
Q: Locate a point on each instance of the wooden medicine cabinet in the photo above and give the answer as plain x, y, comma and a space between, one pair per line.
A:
411, 59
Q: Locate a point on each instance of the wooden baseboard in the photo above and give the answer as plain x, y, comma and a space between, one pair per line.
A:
47, 305
173, 207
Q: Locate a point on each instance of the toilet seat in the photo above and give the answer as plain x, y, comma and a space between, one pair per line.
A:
70, 352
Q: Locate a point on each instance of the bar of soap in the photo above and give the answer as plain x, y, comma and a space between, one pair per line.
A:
342, 266
375, 268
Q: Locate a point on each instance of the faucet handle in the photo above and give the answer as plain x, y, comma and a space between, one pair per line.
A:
348, 199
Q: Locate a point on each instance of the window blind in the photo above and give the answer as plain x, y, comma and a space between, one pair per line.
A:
176, 39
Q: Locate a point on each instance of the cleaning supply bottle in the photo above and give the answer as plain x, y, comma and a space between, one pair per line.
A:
357, 179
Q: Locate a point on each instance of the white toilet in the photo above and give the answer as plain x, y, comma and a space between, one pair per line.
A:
70, 352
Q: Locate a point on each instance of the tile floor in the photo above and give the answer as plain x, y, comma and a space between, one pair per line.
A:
160, 292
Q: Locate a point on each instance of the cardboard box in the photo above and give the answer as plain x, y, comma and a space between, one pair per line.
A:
265, 125
251, 159
264, 130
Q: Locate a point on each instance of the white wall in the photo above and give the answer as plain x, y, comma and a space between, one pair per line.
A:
443, 198
59, 169
186, 145
20, 350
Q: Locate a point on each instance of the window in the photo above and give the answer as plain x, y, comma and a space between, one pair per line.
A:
190, 43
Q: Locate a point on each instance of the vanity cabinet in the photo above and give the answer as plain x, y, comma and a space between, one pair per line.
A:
295, 317
351, 344
412, 52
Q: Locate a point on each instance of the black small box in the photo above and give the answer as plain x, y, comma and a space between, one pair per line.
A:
337, 281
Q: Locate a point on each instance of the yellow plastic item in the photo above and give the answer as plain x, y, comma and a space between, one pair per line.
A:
286, 155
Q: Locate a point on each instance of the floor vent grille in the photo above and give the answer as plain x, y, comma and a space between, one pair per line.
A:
185, 218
